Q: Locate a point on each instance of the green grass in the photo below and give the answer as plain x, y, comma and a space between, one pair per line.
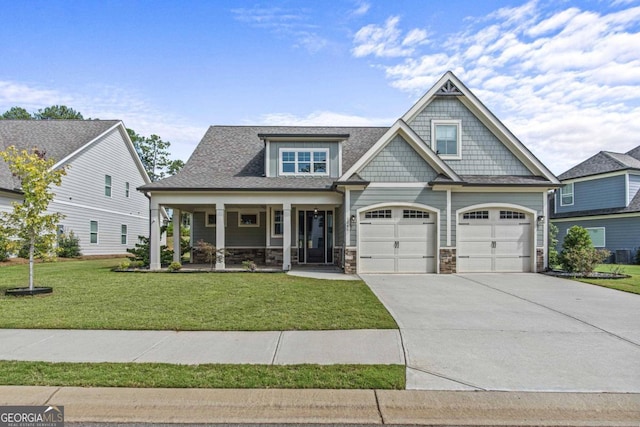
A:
631, 284
161, 375
88, 295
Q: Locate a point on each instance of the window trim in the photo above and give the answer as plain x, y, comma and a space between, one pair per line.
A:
124, 233
97, 232
206, 218
572, 193
326, 151
434, 144
604, 236
108, 187
248, 212
273, 222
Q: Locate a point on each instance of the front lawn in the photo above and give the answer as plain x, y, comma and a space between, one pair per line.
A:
88, 295
150, 375
631, 284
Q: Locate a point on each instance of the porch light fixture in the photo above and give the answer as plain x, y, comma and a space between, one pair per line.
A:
315, 212
540, 218
352, 219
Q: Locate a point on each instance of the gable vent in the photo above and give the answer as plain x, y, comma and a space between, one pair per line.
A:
449, 89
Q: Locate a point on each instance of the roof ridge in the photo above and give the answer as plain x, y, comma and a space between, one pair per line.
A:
609, 155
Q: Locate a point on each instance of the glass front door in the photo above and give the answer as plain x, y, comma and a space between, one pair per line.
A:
315, 237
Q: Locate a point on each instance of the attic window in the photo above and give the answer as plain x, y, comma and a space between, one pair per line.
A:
304, 162
446, 139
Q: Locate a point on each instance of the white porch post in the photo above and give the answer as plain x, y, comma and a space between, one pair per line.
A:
220, 230
176, 235
154, 237
286, 236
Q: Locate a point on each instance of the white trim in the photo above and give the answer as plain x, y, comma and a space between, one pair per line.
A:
603, 235
597, 217
434, 145
449, 217
241, 212
347, 215
511, 189
93, 208
97, 242
594, 177
573, 194
267, 158
534, 227
626, 190
272, 222
545, 229
327, 161
414, 140
420, 206
486, 117
340, 158
126, 235
398, 184
110, 186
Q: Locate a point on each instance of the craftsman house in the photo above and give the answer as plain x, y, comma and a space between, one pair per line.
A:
447, 188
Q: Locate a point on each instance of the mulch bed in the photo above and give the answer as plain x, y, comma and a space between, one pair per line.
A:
592, 275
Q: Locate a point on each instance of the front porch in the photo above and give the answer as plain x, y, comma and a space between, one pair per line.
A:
274, 236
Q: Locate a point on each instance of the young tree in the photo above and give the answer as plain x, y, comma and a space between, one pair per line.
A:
29, 220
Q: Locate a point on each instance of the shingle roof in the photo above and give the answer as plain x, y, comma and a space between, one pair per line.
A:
232, 157
604, 162
57, 138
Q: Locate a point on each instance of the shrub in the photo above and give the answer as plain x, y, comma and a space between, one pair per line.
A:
554, 258
249, 265
124, 265
578, 254
5, 247
174, 266
142, 252
68, 245
638, 255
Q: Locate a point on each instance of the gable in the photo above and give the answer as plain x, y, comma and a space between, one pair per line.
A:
482, 153
398, 162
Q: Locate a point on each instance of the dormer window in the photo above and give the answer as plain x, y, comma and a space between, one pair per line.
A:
445, 138
303, 161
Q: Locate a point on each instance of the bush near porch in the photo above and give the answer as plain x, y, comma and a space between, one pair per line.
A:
88, 295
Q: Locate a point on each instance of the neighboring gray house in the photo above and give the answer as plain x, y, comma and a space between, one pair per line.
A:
447, 188
602, 195
98, 195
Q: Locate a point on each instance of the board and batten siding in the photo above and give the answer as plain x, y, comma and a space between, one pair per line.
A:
634, 186
425, 196
81, 197
619, 233
528, 200
398, 162
333, 147
482, 152
235, 236
593, 194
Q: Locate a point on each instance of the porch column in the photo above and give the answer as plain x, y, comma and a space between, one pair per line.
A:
176, 235
220, 230
154, 237
286, 236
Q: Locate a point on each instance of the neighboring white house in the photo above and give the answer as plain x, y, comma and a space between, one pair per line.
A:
98, 195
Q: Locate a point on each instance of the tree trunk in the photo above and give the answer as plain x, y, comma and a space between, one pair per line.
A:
32, 245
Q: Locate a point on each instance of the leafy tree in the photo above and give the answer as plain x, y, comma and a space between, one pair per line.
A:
154, 154
29, 220
16, 113
58, 112
554, 259
174, 167
578, 254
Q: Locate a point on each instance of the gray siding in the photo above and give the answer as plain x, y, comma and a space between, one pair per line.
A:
426, 196
620, 233
81, 197
595, 194
234, 236
274, 148
340, 225
482, 152
529, 200
634, 186
6, 200
398, 162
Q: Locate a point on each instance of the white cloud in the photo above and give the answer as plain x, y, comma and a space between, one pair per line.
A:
320, 118
564, 79
361, 9
387, 41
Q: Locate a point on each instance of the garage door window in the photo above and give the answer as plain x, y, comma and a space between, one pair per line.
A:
407, 213
511, 215
476, 215
382, 213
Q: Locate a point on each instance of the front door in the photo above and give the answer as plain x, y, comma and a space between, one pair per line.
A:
315, 236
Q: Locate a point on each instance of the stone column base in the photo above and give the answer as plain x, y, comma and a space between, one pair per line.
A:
448, 261
350, 261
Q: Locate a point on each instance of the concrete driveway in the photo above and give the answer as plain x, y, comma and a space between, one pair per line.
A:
526, 332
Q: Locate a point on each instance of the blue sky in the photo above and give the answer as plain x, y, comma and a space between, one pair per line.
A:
564, 76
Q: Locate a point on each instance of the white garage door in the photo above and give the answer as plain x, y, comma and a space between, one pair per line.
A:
494, 240
397, 240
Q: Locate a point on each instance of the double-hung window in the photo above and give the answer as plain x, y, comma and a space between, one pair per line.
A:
93, 232
446, 138
123, 234
304, 162
566, 195
277, 220
107, 185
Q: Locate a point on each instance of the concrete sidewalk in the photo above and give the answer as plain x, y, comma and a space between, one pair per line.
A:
370, 346
208, 406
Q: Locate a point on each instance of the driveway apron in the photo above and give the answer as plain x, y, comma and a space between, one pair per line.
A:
525, 332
